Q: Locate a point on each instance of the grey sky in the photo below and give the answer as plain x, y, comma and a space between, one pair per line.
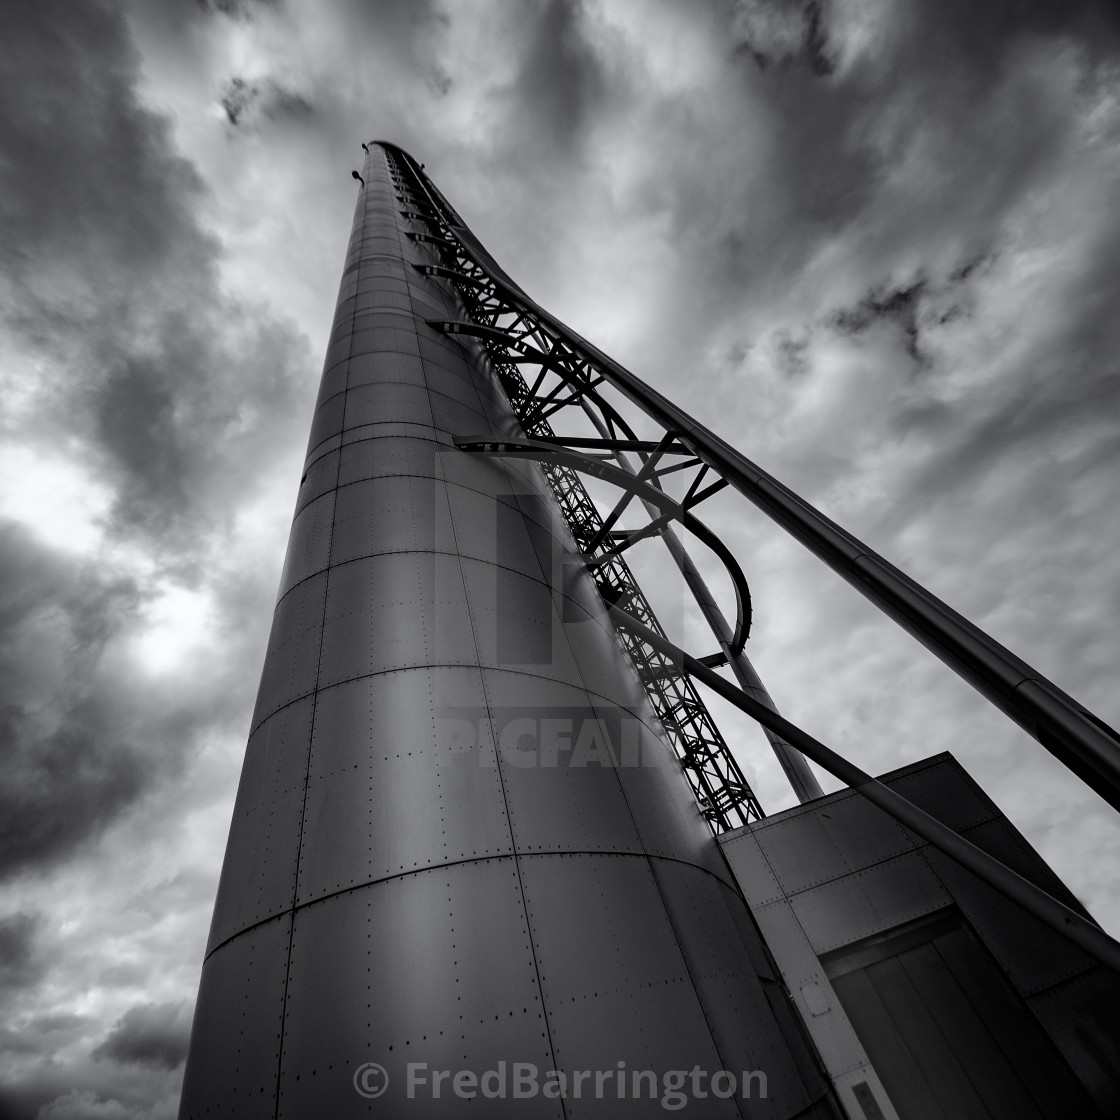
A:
871, 244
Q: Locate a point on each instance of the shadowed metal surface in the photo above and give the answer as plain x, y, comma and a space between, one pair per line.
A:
460, 837
914, 976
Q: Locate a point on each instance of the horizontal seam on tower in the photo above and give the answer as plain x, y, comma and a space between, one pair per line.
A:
375, 384
426, 477
458, 665
309, 462
459, 863
439, 552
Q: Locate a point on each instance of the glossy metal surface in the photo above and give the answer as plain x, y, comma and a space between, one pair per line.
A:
460, 836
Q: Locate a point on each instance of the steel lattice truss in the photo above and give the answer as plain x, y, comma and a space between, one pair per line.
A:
515, 339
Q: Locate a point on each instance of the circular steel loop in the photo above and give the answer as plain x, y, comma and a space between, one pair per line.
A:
531, 449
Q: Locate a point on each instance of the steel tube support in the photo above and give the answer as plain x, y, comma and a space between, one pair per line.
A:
793, 763
1082, 932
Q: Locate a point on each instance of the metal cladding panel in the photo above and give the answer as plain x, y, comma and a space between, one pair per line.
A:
346, 291
645, 771
470, 524
441, 361
441, 350
319, 477
380, 515
373, 369
388, 455
395, 611
795, 954
739, 1004
292, 659
235, 1040
669, 823
804, 854
1033, 955
366, 404
1082, 1017
386, 428
556, 543
476, 509
1001, 838
398, 973
385, 793
869, 902
327, 420
309, 546
465, 390
487, 477
380, 331
809, 847
259, 877
560, 796
333, 382
752, 870
376, 285
613, 977
864, 832
456, 418
515, 621
600, 658
428, 307
945, 791
396, 301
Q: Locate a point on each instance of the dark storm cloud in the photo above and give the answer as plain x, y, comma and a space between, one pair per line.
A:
67, 769
778, 32
897, 306
244, 102
1049, 414
20, 963
167, 394
90, 178
113, 280
63, 787
154, 1034
919, 144
237, 9
398, 42
560, 81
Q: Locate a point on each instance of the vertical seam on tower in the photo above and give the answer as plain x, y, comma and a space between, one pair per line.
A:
318, 665
648, 858
645, 854
502, 787
509, 821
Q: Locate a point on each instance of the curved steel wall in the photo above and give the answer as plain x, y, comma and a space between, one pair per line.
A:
398, 890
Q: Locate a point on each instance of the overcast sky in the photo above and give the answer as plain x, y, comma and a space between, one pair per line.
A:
872, 244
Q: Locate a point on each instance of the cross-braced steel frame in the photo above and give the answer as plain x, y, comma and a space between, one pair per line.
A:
517, 332
721, 789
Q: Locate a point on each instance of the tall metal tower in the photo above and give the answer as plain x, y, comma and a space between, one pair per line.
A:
479, 860
474, 829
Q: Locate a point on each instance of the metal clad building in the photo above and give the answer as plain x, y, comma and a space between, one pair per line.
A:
435, 856
926, 991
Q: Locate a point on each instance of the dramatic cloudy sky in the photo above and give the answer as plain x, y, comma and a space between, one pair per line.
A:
873, 244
